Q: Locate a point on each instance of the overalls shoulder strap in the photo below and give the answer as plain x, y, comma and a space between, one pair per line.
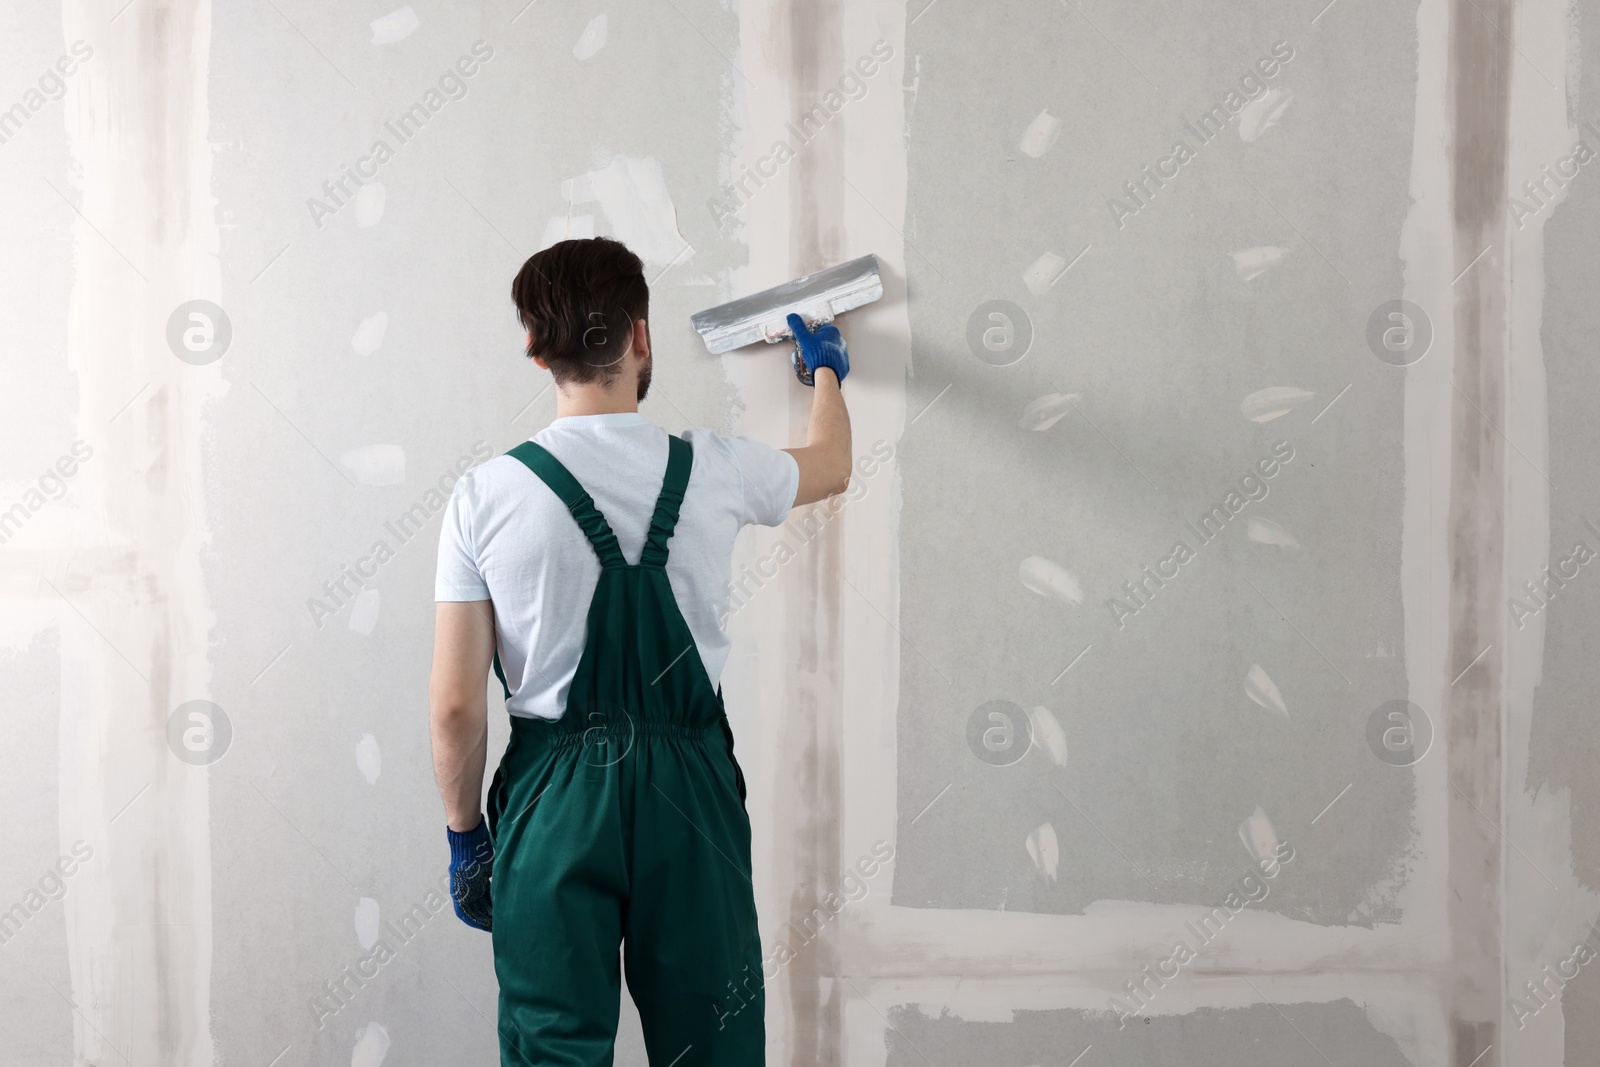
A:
578, 501
680, 457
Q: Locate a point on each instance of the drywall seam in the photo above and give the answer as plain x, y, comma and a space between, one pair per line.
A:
824, 725
1473, 708
1547, 910
136, 613
1426, 243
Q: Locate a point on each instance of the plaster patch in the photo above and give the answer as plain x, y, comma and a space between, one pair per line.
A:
632, 193
396, 26
369, 759
371, 1047
1259, 838
1043, 850
1268, 532
1258, 116
376, 464
592, 39
1259, 687
367, 918
1251, 263
1040, 134
1048, 735
1043, 273
567, 228
1046, 411
368, 337
1274, 402
370, 199
1050, 579
364, 612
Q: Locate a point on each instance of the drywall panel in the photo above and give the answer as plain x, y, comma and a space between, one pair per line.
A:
1009, 747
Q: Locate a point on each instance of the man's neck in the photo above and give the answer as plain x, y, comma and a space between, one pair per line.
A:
595, 399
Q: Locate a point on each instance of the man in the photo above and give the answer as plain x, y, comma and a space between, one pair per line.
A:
589, 567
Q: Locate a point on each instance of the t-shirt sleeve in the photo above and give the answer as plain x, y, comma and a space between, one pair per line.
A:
769, 478
457, 577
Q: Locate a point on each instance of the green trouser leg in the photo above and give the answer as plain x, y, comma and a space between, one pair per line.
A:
623, 825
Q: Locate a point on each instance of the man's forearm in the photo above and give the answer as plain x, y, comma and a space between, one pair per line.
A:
829, 428
460, 752
458, 705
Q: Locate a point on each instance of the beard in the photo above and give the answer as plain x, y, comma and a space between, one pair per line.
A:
644, 369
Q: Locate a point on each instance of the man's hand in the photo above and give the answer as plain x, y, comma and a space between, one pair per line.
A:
471, 861
822, 347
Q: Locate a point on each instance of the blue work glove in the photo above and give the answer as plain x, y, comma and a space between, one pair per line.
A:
820, 348
471, 860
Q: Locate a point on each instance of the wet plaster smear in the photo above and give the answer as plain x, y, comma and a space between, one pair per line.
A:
1029, 786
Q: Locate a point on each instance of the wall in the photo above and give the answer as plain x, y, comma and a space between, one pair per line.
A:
1181, 598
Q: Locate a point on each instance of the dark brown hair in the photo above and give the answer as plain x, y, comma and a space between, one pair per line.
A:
578, 300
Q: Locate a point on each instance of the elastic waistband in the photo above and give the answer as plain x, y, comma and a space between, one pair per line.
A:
570, 730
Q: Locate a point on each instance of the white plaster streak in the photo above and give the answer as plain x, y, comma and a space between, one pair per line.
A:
364, 612
1050, 579
1426, 253
1040, 135
137, 123
369, 758
592, 39
395, 26
1542, 922
1043, 272
376, 464
1251, 263
368, 337
1258, 116
370, 199
1259, 838
1046, 411
367, 919
1013, 960
371, 1047
1044, 851
1259, 687
1267, 532
1274, 402
1048, 735
874, 161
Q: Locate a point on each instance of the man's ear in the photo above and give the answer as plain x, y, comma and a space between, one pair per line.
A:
641, 338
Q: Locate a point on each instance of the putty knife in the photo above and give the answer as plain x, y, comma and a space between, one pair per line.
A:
815, 298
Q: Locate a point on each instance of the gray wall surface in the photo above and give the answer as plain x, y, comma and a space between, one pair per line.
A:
1316, 786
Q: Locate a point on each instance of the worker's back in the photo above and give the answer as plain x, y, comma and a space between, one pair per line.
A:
507, 538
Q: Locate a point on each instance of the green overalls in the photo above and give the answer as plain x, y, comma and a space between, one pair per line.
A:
623, 822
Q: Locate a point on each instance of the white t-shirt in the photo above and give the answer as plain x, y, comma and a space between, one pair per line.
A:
509, 539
